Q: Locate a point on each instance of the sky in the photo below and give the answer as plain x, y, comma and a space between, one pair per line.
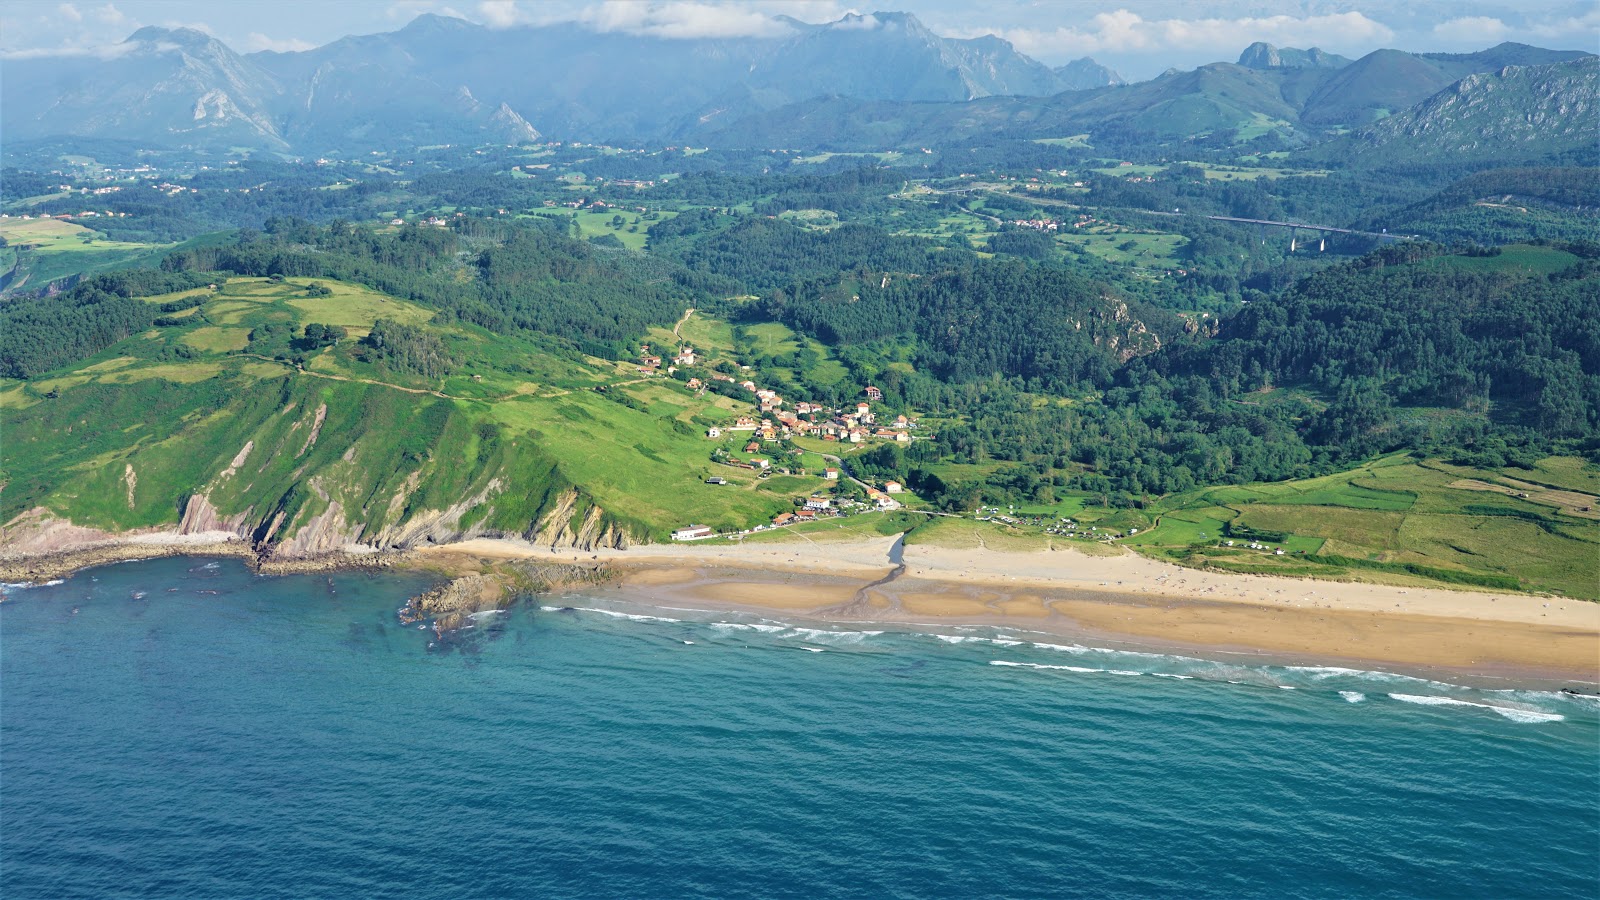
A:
1139, 38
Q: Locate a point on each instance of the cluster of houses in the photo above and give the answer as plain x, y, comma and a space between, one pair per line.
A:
650, 364
851, 425
1038, 224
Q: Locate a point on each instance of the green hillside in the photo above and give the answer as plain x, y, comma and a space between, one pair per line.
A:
345, 448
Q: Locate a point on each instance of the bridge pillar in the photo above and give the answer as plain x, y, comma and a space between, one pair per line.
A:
1292, 241
1322, 245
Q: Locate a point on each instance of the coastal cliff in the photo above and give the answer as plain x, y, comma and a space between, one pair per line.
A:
308, 473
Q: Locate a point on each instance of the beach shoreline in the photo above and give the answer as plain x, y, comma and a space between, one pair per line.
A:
1125, 600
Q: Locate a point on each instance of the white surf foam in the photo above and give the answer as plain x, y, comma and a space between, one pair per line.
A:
1353, 696
615, 614
1525, 716
746, 626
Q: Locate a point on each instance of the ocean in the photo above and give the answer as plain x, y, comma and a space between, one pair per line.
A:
184, 728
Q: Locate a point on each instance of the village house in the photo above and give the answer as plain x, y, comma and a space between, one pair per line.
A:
695, 384
685, 356
892, 487
693, 533
830, 474
753, 447
761, 463
783, 519
874, 394
805, 515
818, 503
743, 423
713, 432
900, 437
650, 362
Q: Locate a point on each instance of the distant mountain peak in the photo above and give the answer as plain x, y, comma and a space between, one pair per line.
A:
1262, 55
1086, 74
180, 37
435, 22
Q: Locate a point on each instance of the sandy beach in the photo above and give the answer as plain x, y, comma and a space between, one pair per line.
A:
1127, 599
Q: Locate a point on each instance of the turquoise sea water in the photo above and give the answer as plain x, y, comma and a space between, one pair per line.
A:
183, 728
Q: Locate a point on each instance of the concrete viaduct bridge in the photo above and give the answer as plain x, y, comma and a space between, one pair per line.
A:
1321, 232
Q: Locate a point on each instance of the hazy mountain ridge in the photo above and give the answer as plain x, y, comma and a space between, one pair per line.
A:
863, 82
1530, 111
445, 79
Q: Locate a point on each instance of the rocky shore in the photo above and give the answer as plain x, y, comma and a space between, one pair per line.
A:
51, 566
40, 567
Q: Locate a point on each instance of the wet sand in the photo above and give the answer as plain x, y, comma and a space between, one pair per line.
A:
1126, 599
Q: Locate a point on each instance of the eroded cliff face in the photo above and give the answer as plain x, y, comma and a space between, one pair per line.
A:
570, 522
296, 471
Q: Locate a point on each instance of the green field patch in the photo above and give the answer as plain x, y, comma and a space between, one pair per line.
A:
1518, 258
1352, 496
1128, 248
594, 223
111, 365
214, 339
1076, 140
45, 250
1569, 473
1363, 528
594, 440
353, 307
181, 373
789, 485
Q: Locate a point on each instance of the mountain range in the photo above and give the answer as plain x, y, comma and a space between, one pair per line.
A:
862, 82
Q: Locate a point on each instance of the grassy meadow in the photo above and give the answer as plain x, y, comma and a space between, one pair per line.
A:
39, 251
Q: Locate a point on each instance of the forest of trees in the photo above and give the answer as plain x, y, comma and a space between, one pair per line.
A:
42, 333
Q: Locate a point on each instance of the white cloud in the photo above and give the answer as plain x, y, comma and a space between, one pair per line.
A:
500, 13
1123, 31
867, 22
109, 51
257, 41
70, 12
1586, 25
1472, 29
110, 15
201, 27
683, 19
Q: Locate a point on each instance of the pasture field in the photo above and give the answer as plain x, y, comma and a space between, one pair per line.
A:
593, 223
1395, 520
1242, 173
1076, 140
1522, 258
40, 251
1114, 246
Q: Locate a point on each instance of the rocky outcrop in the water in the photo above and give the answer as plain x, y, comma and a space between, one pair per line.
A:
453, 604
